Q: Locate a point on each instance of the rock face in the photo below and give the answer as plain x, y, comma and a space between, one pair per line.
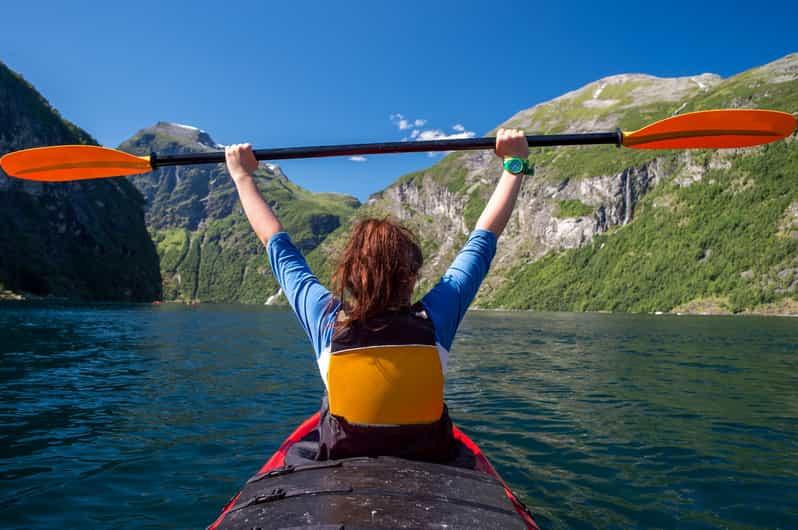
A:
80, 240
626, 202
207, 249
180, 196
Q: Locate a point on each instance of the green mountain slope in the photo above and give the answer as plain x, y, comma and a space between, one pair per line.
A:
81, 240
207, 249
732, 240
602, 228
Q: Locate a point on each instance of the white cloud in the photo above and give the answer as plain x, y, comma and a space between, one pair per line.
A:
419, 135
358, 158
437, 134
403, 123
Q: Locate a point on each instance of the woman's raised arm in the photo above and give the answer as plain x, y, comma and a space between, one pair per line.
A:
241, 164
307, 296
509, 143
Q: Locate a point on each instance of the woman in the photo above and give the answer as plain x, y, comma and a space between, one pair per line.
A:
382, 359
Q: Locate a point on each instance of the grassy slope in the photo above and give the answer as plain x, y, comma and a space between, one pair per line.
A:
717, 239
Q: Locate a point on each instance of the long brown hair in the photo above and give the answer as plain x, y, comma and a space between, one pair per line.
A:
376, 270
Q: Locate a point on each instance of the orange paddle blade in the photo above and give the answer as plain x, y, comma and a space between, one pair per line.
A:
712, 129
64, 163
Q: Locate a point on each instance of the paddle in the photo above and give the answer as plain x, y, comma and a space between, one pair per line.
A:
705, 129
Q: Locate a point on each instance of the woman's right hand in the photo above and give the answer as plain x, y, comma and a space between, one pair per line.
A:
240, 160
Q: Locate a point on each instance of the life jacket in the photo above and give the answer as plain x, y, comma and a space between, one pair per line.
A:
385, 391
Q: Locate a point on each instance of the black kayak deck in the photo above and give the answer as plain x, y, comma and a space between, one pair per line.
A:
383, 492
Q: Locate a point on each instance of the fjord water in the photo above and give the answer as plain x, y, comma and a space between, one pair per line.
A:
153, 416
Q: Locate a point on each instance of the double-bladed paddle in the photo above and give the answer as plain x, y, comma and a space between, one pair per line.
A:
709, 129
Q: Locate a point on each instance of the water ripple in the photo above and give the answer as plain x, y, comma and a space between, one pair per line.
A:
151, 417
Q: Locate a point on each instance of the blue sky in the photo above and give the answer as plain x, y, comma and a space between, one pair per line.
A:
308, 73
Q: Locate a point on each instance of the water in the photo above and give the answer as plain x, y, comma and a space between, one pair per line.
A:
153, 416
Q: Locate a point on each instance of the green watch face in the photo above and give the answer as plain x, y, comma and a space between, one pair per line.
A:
514, 165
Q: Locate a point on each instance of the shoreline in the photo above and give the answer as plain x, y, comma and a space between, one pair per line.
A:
787, 308
747, 313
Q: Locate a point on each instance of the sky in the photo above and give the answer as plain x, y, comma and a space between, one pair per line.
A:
334, 72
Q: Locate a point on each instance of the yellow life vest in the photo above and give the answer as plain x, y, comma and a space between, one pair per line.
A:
390, 375
386, 385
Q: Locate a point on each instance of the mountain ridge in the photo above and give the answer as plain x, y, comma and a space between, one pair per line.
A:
82, 240
590, 215
582, 193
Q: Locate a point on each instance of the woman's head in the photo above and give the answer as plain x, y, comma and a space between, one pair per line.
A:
378, 269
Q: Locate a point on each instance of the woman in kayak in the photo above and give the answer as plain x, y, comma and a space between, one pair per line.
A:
382, 359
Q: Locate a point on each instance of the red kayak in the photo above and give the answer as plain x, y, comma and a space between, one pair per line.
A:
383, 492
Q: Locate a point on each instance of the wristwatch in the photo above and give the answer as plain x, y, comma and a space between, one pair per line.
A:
518, 166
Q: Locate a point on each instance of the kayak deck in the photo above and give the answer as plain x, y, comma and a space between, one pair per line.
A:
383, 492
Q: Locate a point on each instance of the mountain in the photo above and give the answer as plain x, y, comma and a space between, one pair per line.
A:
80, 240
598, 228
606, 229
207, 249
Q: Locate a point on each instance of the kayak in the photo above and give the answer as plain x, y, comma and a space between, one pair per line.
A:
292, 491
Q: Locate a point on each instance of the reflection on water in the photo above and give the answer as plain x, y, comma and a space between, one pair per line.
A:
151, 417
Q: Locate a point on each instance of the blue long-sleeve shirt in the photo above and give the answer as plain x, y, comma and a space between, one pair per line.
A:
317, 309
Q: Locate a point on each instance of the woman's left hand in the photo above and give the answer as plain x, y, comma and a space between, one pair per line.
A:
511, 143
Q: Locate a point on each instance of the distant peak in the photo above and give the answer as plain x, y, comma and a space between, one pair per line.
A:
180, 125
187, 132
625, 78
274, 169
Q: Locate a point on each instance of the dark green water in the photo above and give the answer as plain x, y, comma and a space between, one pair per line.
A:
152, 417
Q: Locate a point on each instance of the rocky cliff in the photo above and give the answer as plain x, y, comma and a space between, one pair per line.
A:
207, 249
79, 240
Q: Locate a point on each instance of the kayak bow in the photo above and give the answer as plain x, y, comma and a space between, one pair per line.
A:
382, 492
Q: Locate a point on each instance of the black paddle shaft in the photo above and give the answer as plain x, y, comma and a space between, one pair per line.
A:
460, 144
